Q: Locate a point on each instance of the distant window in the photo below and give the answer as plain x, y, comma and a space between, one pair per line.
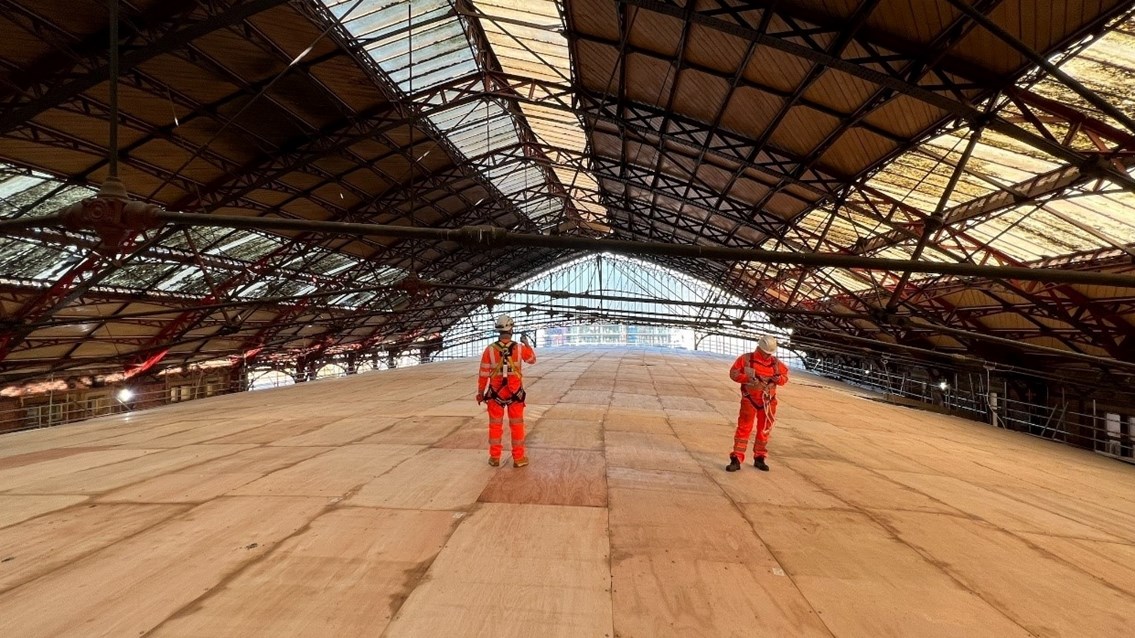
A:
269, 379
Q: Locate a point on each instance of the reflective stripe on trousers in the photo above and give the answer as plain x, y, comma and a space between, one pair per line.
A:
496, 429
763, 419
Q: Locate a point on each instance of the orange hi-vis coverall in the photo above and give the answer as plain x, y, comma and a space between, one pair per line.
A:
500, 373
756, 402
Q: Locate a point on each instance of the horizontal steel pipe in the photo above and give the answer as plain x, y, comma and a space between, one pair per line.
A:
487, 236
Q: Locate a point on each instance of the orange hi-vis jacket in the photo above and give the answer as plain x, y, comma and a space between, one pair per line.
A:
758, 365
501, 366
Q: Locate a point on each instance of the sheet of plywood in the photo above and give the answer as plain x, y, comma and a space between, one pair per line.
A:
277, 430
660, 480
648, 452
41, 545
637, 420
554, 477
333, 474
472, 435
434, 479
1003, 511
566, 433
865, 488
341, 431
863, 581
16, 508
346, 575
588, 397
216, 428
133, 585
516, 570
1023, 582
576, 411
17, 479
702, 525
466, 406
50, 454
635, 401
688, 564
864, 452
643, 387
108, 477
138, 436
1104, 514
419, 430
83, 433
1114, 563
658, 596
213, 478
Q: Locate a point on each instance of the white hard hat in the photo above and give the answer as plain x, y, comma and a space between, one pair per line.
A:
504, 323
767, 344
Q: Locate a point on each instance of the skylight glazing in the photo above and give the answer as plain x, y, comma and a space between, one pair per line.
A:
421, 44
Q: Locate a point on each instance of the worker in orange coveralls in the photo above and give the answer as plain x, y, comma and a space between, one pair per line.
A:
759, 373
501, 385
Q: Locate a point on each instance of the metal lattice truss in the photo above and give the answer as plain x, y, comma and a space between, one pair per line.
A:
955, 131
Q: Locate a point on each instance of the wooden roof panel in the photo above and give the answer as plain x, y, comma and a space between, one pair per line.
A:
854, 148
802, 129
776, 69
650, 80
699, 95
750, 111
655, 32
710, 48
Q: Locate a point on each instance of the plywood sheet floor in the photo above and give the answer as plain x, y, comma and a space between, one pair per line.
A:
364, 506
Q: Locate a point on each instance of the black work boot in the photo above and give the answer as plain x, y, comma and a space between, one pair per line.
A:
734, 464
760, 464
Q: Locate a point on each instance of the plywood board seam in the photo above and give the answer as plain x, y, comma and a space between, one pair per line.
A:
345, 505
228, 577
85, 498
960, 579
930, 560
177, 510
925, 556
424, 571
1060, 559
756, 535
179, 469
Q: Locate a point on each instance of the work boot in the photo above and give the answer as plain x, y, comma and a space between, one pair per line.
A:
494, 462
760, 464
734, 464
520, 462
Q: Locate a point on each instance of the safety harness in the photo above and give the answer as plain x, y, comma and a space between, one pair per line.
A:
506, 365
766, 394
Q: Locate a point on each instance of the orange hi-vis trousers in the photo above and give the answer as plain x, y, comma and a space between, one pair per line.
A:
496, 429
749, 413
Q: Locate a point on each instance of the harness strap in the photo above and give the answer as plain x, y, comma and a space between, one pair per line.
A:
517, 397
767, 397
753, 365
505, 358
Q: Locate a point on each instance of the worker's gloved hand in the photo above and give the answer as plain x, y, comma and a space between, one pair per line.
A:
480, 398
750, 374
524, 339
